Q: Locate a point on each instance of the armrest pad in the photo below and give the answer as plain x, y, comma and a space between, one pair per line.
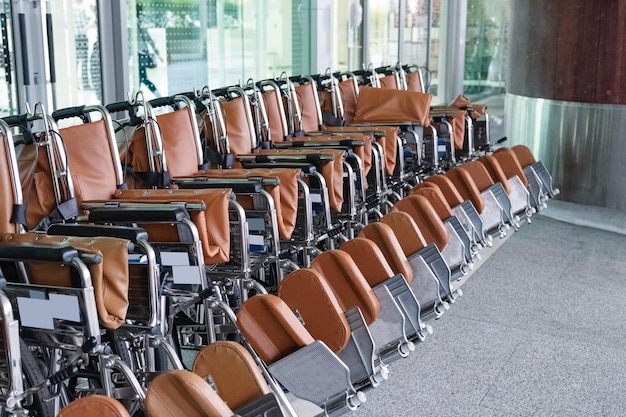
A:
44, 253
89, 230
305, 167
243, 186
147, 214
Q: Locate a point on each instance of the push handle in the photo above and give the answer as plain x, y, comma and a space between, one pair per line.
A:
53, 76
23, 46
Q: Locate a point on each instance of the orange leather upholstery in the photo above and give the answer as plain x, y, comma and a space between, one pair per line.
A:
436, 198
237, 377
388, 81
495, 171
182, 393
285, 195
179, 142
463, 101
275, 115
414, 82
384, 237
466, 187
109, 277
331, 171
524, 155
363, 152
370, 260
239, 127
426, 218
214, 229
307, 291
452, 195
94, 405
510, 164
349, 96
406, 231
388, 142
381, 105
347, 282
307, 100
92, 167
479, 174
271, 327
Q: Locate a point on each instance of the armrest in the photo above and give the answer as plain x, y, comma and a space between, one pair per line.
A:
238, 185
307, 158
343, 143
90, 230
161, 213
30, 252
304, 167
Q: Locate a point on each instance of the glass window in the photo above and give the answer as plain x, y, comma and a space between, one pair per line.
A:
8, 94
485, 57
383, 27
178, 45
76, 52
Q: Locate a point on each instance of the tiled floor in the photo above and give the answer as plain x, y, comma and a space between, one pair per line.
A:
540, 331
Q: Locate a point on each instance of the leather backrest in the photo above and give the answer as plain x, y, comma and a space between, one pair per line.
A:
466, 187
458, 128
495, 171
213, 225
524, 155
405, 229
331, 171
380, 105
285, 195
370, 260
479, 174
349, 96
239, 128
271, 327
452, 195
414, 82
88, 159
426, 218
94, 405
387, 241
388, 142
463, 101
347, 282
182, 393
109, 278
179, 137
275, 115
436, 198
388, 81
364, 152
309, 107
307, 292
237, 377
510, 164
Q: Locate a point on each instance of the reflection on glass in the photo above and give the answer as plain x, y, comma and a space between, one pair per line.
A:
214, 42
76, 52
383, 27
485, 58
8, 101
487, 25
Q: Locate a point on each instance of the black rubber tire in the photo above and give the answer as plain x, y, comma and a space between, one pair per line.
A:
33, 374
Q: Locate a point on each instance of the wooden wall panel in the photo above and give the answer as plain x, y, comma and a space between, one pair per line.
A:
578, 31
572, 50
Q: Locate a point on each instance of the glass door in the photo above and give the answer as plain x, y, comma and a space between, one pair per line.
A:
8, 93
75, 73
